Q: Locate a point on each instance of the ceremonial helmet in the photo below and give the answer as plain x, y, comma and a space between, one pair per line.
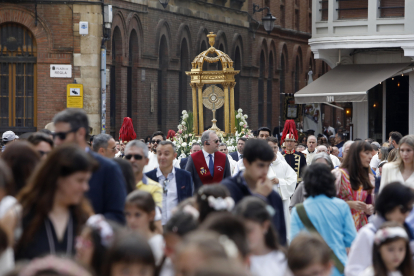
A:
289, 131
127, 133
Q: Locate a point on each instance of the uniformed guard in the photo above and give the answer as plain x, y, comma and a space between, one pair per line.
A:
295, 159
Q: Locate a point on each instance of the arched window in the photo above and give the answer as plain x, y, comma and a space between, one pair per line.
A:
183, 80
131, 86
270, 92
115, 79
297, 74
261, 89
162, 85
18, 57
237, 66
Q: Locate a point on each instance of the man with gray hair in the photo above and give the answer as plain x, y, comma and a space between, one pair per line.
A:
375, 159
176, 183
208, 166
136, 152
335, 161
345, 148
104, 145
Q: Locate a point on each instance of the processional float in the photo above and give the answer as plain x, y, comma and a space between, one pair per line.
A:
213, 97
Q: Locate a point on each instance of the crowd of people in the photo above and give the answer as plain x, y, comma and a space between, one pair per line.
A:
71, 204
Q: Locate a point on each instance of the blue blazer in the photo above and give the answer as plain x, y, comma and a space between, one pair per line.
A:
185, 186
107, 189
235, 155
183, 163
239, 190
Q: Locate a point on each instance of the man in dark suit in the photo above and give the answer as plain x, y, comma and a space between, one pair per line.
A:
194, 148
253, 181
208, 166
176, 183
237, 155
107, 190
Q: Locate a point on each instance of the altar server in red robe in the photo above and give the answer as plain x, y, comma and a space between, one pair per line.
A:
208, 166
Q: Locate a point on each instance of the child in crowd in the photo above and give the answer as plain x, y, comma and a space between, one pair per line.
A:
140, 211
181, 223
267, 258
391, 252
213, 198
201, 247
130, 255
227, 224
93, 242
309, 254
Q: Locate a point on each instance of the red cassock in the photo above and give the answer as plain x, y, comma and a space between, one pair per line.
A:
203, 170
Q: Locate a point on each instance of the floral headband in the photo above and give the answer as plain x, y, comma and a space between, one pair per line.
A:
98, 222
219, 203
389, 233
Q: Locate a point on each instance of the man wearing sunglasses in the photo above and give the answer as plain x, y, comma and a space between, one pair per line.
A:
136, 152
107, 190
208, 166
104, 145
157, 138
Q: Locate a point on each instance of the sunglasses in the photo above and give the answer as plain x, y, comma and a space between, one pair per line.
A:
156, 141
62, 135
136, 156
405, 209
216, 141
42, 153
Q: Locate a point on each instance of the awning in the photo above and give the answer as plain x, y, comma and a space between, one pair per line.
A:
347, 83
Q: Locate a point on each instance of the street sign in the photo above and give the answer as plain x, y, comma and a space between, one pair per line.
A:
74, 96
60, 71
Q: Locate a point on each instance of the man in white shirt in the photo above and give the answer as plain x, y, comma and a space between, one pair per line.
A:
311, 150
156, 139
375, 159
176, 183
334, 159
223, 148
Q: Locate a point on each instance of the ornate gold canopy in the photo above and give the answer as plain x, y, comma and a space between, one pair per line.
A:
225, 77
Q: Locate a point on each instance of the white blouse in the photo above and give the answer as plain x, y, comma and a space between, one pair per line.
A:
391, 173
370, 272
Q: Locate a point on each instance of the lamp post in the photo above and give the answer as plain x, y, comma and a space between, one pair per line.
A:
268, 21
164, 3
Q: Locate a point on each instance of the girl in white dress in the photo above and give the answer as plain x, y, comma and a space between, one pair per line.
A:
284, 179
267, 257
140, 216
391, 252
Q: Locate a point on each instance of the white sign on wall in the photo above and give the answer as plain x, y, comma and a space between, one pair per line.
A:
60, 71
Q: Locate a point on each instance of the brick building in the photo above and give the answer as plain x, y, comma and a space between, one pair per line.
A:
149, 50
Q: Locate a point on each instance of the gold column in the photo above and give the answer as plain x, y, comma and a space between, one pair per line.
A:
195, 117
200, 108
232, 108
226, 108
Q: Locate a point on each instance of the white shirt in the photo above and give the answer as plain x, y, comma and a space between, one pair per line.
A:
170, 198
207, 158
157, 246
5, 204
309, 156
153, 163
374, 161
335, 160
240, 166
271, 264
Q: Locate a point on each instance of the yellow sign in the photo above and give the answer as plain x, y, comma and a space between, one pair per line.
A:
74, 96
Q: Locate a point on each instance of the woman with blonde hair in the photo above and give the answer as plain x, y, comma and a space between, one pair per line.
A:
403, 168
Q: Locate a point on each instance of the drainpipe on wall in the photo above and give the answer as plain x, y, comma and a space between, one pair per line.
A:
105, 38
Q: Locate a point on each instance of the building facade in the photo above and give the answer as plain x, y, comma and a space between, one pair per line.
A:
370, 33
148, 52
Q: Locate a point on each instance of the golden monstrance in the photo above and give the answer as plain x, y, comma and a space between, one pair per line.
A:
213, 99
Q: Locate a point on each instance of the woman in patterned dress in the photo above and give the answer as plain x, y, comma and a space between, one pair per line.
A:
355, 182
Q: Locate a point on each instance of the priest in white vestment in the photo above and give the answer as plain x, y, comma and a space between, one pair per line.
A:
284, 180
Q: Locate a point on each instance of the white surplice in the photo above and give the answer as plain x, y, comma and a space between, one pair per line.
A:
287, 184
